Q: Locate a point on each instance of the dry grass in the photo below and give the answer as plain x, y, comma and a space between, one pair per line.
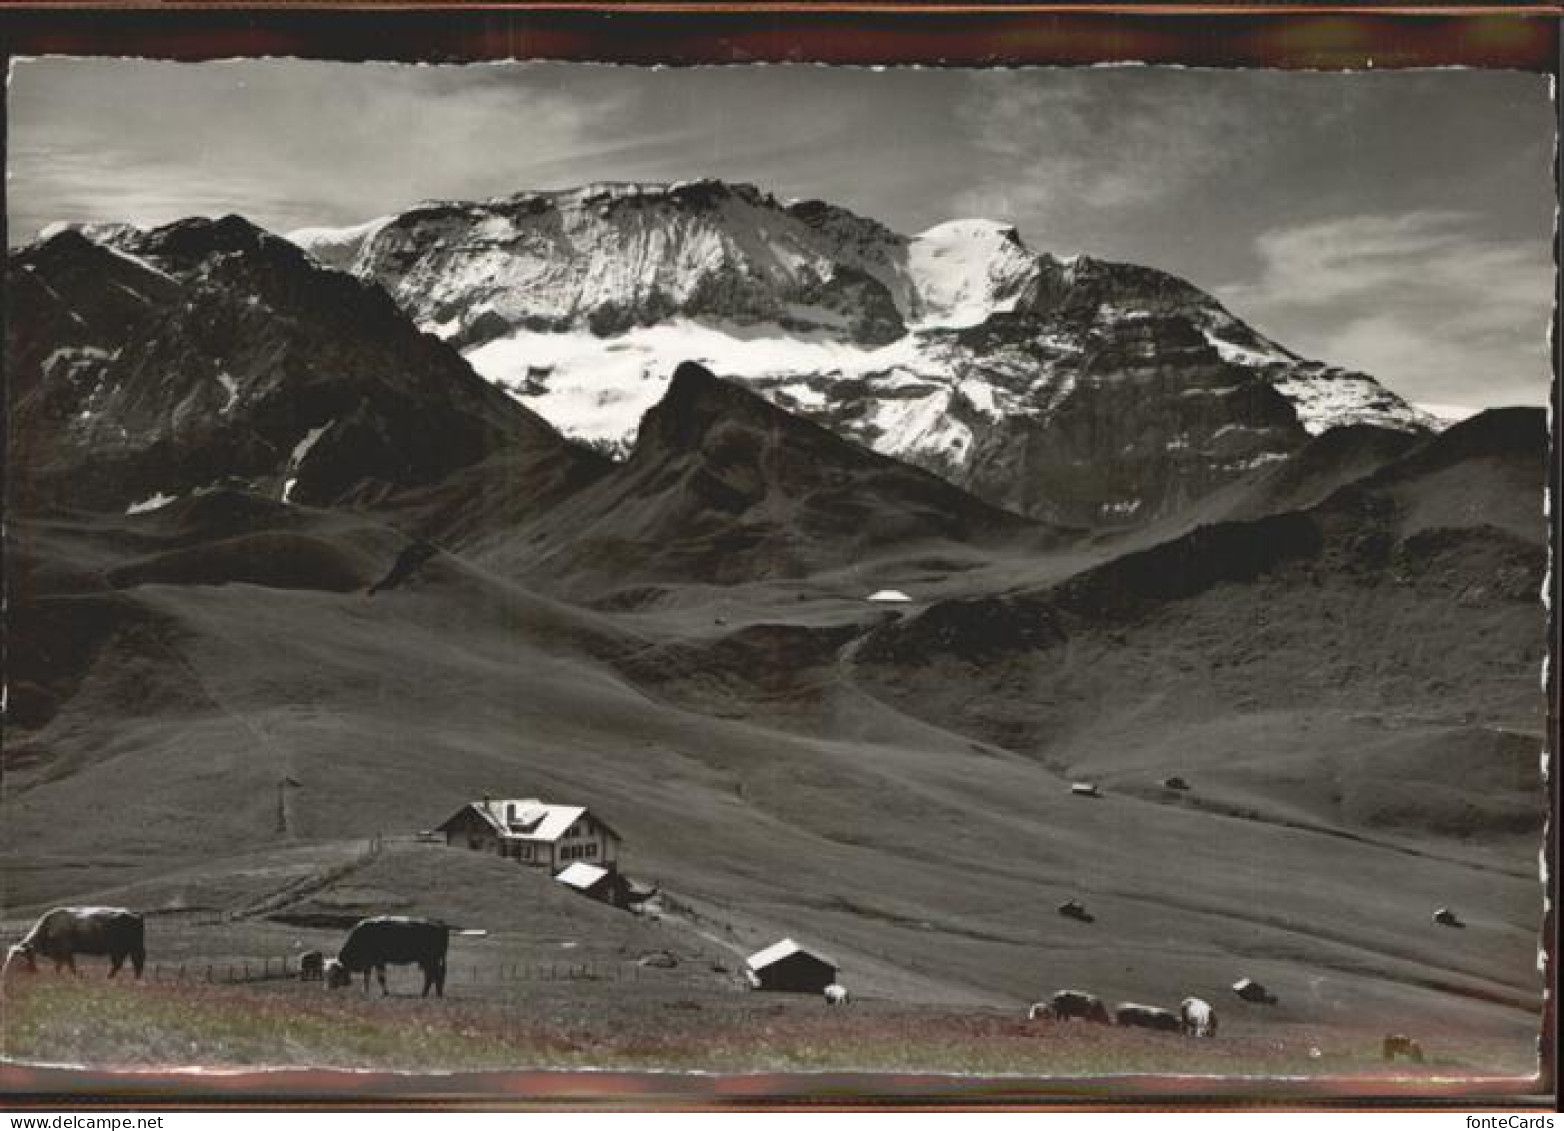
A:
98, 1023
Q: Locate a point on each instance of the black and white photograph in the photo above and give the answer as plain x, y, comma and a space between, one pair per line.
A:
777, 570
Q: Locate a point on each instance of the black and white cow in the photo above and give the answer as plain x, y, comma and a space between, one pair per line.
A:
1067, 1004
392, 940
60, 935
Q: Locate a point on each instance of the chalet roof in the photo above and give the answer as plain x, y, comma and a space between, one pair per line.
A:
581, 875
776, 952
533, 820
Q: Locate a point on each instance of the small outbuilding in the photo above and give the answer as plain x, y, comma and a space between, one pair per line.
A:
597, 883
889, 597
786, 967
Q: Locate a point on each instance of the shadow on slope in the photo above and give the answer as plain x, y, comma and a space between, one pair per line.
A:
1275, 655
724, 487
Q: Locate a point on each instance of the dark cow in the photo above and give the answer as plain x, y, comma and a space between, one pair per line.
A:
60, 935
1252, 991
1068, 1004
1398, 1044
1447, 918
1131, 1015
1075, 909
312, 966
392, 940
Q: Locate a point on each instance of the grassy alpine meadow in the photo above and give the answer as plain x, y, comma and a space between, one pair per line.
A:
123, 1024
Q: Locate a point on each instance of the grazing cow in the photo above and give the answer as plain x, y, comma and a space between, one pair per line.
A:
1175, 782
1198, 1017
1068, 1004
836, 994
1252, 991
1131, 1015
1398, 1044
392, 940
60, 935
312, 966
1447, 918
1074, 909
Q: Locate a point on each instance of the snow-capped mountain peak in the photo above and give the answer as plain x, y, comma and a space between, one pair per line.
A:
961, 349
964, 271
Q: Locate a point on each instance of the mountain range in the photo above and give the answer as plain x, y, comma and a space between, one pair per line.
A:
1072, 390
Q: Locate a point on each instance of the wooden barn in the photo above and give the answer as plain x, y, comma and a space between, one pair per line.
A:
534, 832
787, 967
596, 882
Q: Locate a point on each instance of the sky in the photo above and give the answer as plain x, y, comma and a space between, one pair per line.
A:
1397, 223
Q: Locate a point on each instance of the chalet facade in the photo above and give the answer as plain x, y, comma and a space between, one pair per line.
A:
786, 967
534, 832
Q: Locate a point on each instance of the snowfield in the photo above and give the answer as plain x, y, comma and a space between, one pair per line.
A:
596, 390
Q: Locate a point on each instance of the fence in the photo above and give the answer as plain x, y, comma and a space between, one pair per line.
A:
286, 968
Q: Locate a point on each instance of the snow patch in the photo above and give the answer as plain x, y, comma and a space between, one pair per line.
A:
964, 271
231, 387
138, 262
337, 247
906, 426
156, 502
1123, 508
287, 490
1445, 415
1332, 399
302, 448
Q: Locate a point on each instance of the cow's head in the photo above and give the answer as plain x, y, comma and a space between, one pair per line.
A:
23, 954
336, 975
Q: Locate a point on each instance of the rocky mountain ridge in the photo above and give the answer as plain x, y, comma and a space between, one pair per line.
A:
1071, 389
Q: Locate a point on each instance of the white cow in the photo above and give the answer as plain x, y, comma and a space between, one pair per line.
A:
1198, 1017
836, 994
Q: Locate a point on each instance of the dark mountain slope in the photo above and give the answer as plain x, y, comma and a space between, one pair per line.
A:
724, 487
249, 363
1325, 464
1280, 657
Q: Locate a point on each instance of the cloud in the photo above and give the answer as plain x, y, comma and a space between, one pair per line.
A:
286, 142
1062, 144
1423, 300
